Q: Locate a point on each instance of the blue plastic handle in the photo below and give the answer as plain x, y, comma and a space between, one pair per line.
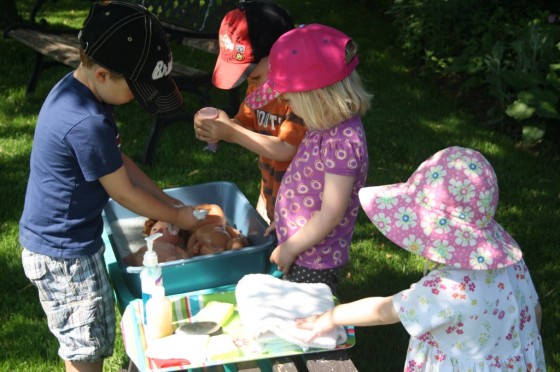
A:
275, 272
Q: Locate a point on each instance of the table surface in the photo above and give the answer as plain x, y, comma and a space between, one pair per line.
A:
187, 305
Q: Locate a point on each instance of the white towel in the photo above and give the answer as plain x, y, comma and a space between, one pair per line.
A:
268, 308
189, 347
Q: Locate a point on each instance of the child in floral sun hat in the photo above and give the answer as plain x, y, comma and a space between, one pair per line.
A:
478, 310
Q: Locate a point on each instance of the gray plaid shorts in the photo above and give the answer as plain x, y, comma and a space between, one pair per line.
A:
78, 301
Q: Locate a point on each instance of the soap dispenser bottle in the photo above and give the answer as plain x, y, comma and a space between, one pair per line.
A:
151, 275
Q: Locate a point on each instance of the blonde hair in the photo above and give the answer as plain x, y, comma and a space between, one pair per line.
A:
89, 63
327, 107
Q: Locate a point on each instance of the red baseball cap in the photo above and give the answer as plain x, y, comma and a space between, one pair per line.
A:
246, 36
307, 58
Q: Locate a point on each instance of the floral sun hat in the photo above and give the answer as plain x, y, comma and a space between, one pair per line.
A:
445, 212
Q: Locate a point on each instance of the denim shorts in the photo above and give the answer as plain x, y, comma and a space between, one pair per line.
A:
78, 301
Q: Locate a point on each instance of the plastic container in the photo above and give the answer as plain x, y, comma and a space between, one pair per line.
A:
209, 113
159, 314
151, 276
123, 231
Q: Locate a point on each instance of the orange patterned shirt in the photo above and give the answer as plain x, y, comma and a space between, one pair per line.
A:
274, 119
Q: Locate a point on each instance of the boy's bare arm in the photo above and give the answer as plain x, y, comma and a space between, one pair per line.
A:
137, 199
270, 147
140, 179
230, 130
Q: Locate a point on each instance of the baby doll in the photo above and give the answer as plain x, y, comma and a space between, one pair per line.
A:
212, 235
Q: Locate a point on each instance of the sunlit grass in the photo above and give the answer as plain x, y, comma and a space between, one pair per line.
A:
410, 120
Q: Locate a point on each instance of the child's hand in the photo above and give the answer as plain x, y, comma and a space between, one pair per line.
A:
270, 229
283, 258
186, 219
317, 324
177, 203
214, 130
201, 123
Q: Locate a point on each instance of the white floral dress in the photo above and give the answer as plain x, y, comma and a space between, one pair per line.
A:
472, 320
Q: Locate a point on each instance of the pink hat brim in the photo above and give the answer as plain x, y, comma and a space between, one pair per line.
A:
498, 247
368, 195
262, 95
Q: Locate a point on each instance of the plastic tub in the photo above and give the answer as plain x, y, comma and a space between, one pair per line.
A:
123, 230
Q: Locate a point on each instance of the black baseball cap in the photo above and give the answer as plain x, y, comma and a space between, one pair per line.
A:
129, 40
246, 35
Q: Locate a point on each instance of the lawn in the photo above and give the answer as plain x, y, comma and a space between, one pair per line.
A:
410, 119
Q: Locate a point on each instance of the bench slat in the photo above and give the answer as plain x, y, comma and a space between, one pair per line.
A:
64, 49
61, 47
337, 360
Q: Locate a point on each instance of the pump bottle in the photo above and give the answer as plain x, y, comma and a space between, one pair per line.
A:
151, 275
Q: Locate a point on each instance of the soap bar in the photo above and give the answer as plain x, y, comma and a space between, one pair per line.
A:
199, 328
221, 347
215, 311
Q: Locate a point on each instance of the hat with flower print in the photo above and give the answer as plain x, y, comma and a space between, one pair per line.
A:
445, 212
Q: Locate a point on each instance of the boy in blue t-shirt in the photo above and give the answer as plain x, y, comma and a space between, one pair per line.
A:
76, 165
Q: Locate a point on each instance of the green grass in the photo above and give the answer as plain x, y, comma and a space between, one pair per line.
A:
410, 120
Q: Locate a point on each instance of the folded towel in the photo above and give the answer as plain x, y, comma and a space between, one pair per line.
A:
268, 307
187, 348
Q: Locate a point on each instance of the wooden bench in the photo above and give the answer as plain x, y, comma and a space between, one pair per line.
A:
191, 23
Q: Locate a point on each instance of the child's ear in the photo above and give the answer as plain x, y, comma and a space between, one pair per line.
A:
101, 74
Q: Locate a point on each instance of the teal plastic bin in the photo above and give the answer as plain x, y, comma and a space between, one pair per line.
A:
123, 235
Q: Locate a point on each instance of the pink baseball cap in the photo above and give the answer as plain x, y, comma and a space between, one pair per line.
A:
306, 58
246, 35
445, 212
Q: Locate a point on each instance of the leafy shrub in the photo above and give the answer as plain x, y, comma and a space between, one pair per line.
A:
506, 51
